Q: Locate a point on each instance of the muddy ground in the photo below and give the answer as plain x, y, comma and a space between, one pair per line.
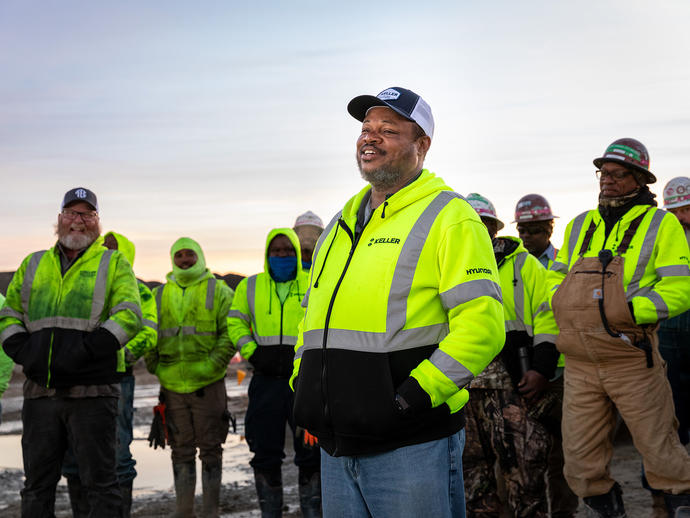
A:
153, 492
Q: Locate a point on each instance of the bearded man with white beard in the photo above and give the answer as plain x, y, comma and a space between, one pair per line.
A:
69, 310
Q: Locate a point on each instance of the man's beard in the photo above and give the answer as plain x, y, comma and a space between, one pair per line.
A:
386, 176
77, 241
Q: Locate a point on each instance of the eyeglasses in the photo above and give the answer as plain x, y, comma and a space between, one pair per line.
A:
86, 217
619, 174
532, 231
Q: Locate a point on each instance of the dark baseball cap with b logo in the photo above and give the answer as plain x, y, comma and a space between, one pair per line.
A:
80, 194
402, 101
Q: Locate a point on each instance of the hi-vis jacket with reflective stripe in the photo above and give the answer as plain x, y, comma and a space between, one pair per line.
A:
263, 328
194, 347
98, 291
656, 276
6, 364
146, 338
528, 317
410, 304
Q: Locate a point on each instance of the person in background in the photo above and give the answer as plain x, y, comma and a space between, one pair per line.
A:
263, 324
622, 269
308, 227
143, 342
6, 367
190, 361
535, 225
69, 312
501, 424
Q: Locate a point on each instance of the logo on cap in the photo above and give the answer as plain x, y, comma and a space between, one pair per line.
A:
389, 95
80, 193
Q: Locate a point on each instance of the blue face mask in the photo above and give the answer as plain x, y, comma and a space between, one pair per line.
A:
306, 265
283, 268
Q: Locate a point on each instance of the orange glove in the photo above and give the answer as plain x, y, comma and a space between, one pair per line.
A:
309, 439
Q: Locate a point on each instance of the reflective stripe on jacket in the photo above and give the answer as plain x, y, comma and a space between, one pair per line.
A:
415, 294
98, 291
193, 348
146, 338
656, 276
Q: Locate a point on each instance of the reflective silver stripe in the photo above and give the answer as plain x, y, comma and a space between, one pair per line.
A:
470, 290
544, 306
11, 331
275, 340
159, 300
640, 292
244, 341
251, 293
679, 270
518, 287
234, 313
167, 333
406, 266
117, 330
559, 267
575, 231
29, 276
210, 293
545, 337
456, 371
99, 289
518, 325
646, 250
183, 331
9, 312
659, 305
126, 305
369, 341
78, 324
150, 323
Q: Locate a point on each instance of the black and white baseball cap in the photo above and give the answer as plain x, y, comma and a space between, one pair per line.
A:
402, 101
80, 194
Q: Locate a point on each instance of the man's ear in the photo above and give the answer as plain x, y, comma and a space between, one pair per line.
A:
423, 143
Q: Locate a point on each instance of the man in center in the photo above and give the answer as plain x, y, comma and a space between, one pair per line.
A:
403, 310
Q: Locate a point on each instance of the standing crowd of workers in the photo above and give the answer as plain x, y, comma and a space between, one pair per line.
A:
425, 364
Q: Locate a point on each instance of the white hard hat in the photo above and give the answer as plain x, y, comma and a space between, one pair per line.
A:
483, 207
677, 193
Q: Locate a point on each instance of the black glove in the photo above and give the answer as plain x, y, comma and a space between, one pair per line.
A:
158, 434
14, 346
101, 343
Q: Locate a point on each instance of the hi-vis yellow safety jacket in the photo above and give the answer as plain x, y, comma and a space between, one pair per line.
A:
263, 328
529, 320
656, 277
194, 347
410, 306
76, 323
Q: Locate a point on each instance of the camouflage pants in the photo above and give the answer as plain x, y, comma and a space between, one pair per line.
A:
498, 428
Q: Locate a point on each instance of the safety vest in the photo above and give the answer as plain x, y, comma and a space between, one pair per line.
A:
262, 327
193, 348
98, 290
415, 293
656, 277
146, 338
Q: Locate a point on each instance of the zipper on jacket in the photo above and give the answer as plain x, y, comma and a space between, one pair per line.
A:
280, 342
323, 265
52, 332
324, 395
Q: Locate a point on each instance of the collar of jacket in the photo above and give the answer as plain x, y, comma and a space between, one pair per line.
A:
206, 275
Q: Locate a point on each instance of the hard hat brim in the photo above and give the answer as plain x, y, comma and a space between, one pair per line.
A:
598, 162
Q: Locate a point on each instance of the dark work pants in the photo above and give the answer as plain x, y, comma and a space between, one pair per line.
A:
270, 408
88, 426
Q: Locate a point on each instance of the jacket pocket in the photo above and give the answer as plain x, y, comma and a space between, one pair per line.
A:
69, 355
35, 354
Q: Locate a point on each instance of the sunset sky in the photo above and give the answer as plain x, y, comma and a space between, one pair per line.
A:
220, 120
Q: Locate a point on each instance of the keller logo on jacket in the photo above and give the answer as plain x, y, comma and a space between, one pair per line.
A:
384, 240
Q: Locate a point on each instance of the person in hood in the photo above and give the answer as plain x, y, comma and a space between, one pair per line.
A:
403, 311
144, 341
190, 360
263, 324
507, 398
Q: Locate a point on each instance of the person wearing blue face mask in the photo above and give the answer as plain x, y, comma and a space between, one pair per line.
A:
263, 324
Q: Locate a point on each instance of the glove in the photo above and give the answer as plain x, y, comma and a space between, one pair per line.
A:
159, 432
310, 440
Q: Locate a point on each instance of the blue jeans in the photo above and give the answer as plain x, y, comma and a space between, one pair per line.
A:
419, 480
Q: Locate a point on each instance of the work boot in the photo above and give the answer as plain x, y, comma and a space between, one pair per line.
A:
211, 474
658, 505
185, 483
78, 497
126, 494
310, 492
678, 505
269, 488
608, 505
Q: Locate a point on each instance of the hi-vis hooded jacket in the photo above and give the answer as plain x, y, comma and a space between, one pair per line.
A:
529, 320
76, 323
263, 328
193, 347
146, 338
656, 277
410, 304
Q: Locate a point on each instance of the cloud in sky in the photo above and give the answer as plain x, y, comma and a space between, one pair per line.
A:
221, 120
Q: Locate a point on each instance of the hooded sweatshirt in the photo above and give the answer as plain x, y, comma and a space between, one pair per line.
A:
193, 347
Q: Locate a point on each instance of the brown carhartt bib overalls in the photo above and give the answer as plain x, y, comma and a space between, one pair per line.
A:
611, 362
